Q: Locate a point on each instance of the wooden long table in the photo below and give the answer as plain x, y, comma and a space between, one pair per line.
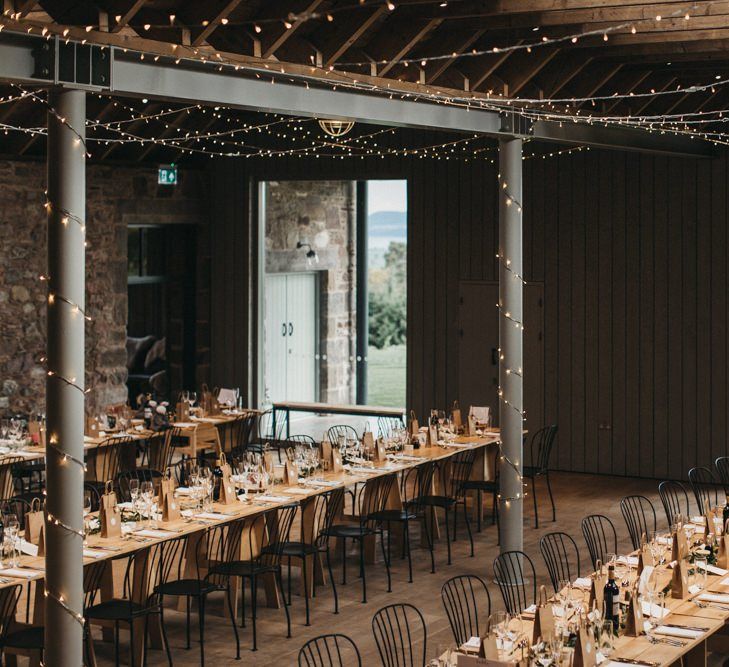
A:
483, 469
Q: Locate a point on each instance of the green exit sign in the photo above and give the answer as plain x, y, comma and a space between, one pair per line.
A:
167, 174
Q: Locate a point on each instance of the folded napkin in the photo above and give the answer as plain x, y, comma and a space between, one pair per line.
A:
211, 515
619, 663
583, 582
183, 491
157, 534
185, 424
473, 644
665, 540
530, 610
21, 573
725, 582
712, 569
361, 470
466, 445
322, 482
714, 597
631, 561
28, 548
95, 553
297, 491
654, 610
274, 499
698, 520
678, 632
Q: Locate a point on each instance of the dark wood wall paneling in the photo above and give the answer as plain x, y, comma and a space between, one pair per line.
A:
633, 253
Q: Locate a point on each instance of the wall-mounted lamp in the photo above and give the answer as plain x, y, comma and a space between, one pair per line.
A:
310, 253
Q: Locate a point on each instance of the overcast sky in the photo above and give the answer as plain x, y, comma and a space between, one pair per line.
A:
386, 196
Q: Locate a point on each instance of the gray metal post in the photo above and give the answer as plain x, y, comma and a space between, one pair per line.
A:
511, 366
65, 383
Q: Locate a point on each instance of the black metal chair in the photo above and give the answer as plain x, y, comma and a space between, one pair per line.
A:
157, 562
9, 597
597, 529
722, 470
141, 475
371, 499
317, 517
338, 430
241, 433
516, 579
333, 650
92, 492
415, 483
541, 450
640, 518
386, 425
481, 486
467, 602
219, 544
453, 474
705, 487
103, 463
561, 556
161, 447
270, 531
400, 635
675, 500
301, 440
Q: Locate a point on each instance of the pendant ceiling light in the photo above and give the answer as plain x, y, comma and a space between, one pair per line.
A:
336, 128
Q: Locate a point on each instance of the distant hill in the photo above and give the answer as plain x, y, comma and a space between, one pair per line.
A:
390, 225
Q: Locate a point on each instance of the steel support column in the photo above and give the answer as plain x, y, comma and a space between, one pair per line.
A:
65, 383
510, 343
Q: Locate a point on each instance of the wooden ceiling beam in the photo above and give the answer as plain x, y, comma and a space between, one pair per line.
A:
668, 40
648, 101
532, 63
563, 75
216, 21
125, 16
495, 61
408, 46
637, 79
339, 46
25, 7
286, 33
443, 65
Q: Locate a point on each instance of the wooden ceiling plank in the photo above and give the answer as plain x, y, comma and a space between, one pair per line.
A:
638, 79
25, 7
216, 21
288, 32
526, 74
498, 60
566, 75
443, 65
649, 101
408, 46
127, 15
354, 36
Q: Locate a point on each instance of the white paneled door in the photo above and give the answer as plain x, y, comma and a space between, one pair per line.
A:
290, 337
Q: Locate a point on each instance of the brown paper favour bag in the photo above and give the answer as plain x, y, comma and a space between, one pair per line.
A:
585, 650
227, 495
109, 513
679, 581
597, 586
413, 427
291, 473
34, 521
336, 460
380, 451
633, 615
456, 417
543, 618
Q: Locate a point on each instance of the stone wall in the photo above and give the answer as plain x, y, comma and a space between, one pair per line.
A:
321, 213
116, 197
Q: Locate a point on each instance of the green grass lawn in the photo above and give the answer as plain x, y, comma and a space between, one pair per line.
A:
386, 376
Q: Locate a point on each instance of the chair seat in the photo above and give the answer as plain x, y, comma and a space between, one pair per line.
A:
241, 568
348, 530
186, 587
292, 549
436, 501
115, 610
393, 515
27, 638
481, 485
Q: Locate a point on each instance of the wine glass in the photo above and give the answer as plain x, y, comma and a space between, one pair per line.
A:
606, 637
192, 398
11, 528
147, 491
87, 510
656, 602
134, 493
498, 625
700, 565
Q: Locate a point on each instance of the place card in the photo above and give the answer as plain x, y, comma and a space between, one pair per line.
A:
28, 548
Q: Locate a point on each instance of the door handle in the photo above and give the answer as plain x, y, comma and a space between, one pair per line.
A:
283, 329
291, 329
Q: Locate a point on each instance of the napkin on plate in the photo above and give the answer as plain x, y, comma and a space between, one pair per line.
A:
158, 534
658, 612
183, 491
712, 569
631, 561
211, 515
714, 597
583, 582
685, 633
274, 499
472, 645
95, 553
298, 492
20, 572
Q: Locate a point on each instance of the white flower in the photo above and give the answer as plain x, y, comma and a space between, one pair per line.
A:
161, 410
152, 404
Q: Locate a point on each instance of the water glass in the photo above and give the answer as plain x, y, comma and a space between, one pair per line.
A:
657, 603
606, 638
147, 492
700, 565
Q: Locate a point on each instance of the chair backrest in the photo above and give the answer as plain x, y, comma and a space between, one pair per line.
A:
456, 471
140, 474
162, 446
265, 426
93, 575
467, 604
640, 518
92, 491
318, 514
240, 433
517, 581
675, 500
302, 440
7, 481
374, 495
416, 483
221, 545
17, 506
705, 487
386, 425
8, 604
400, 635
269, 531
722, 470
600, 536
334, 433
541, 447
333, 650
561, 556
104, 461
